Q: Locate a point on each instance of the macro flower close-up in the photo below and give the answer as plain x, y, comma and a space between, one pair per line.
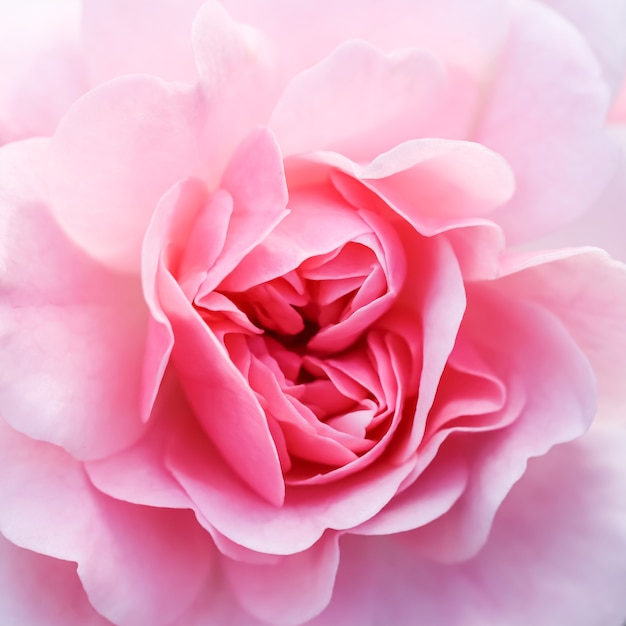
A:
313, 312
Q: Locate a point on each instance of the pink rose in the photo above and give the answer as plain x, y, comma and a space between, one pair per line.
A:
279, 343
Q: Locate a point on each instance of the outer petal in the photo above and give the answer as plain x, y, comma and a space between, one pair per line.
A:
129, 38
605, 224
238, 76
216, 605
587, 291
41, 66
138, 565
114, 155
548, 375
290, 591
38, 590
308, 31
602, 23
545, 114
360, 103
554, 556
125, 143
138, 474
67, 324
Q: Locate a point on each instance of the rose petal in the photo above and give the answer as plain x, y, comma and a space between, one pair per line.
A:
166, 241
395, 97
67, 324
603, 24
115, 153
605, 223
434, 494
303, 234
559, 390
316, 27
437, 178
545, 113
432, 183
41, 66
38, 590
228, 505
442, 308
554, 556
128, 38
291, 591
238, 78
587, 291
138, 565
222, 400
255, 179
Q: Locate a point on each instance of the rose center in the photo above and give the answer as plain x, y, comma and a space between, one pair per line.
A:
300, 339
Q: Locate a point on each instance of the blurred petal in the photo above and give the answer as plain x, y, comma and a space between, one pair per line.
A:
555, 555
290, 591
42, 70
604, 225
587, 291
545, 114
307, 31
140, 37
67, 324
138, 565
38, 590
603, 23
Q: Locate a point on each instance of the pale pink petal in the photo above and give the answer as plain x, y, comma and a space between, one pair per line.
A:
587, 291
316, 27
115, 154
435, 184
544, 368
290, 591
138, 474
434, 179
139, 565
41, 66
67, 324
604, 224
140, 37
359, 102
545, 113
554, 556
237, 68
477, 246
603, 24
38, 590
216, 605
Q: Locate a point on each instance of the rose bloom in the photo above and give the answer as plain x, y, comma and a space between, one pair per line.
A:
285, 336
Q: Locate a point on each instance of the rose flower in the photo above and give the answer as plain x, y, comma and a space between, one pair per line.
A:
281, 343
